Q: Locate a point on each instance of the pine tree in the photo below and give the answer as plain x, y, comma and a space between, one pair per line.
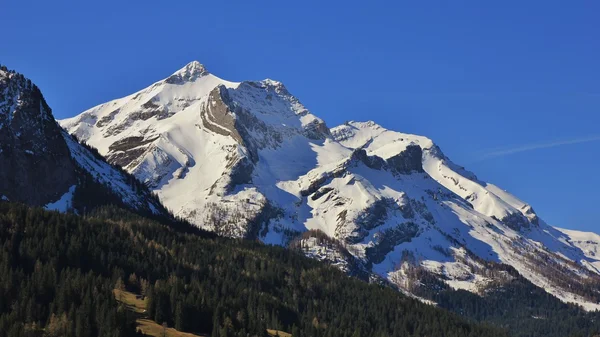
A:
179, 317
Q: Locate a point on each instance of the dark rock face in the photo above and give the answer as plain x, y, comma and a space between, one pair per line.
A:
317, 183
259, 224
374, 162
405, 162
376, 214
408, 160
241, 173
530, 213
316, 130
388, 239
35, 162
371, 217
321, 192
516, 221
126, 150
217, 116
151, 109
226, 114
107, 119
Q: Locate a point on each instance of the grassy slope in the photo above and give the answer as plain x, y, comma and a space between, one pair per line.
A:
149, 327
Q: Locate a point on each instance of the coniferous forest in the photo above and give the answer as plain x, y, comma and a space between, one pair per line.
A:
58, 272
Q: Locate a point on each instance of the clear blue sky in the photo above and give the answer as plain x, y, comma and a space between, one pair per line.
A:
482, 78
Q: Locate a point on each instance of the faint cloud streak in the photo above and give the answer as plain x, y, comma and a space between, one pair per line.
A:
533, 147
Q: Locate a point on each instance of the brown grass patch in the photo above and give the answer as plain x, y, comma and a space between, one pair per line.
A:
149, 327
278, 333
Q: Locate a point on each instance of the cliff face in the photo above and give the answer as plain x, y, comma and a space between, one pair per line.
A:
35, 162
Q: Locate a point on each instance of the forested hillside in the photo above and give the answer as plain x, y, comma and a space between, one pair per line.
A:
58, 272
518, 305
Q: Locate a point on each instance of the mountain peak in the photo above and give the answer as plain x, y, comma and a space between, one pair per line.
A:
189, 73
193, 67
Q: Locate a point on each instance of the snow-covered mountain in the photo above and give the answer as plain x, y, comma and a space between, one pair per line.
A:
249, 160
42, 165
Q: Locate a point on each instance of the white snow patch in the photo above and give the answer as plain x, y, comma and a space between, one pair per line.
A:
64, 203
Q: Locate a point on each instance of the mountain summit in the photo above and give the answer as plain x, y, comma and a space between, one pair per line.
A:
249, 160
191, 72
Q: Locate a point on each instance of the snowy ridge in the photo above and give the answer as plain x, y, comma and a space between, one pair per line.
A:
491, 223
249, 160
107, 175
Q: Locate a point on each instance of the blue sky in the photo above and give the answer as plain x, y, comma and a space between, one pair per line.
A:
509, 89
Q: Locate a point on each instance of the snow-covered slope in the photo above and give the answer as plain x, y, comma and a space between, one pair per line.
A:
42, 165
249, 160
198, 140
475, 220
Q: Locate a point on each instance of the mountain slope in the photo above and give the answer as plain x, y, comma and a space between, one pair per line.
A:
42, 165
480, 221
249, 160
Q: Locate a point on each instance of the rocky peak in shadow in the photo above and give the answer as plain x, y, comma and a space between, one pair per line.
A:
35, 163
